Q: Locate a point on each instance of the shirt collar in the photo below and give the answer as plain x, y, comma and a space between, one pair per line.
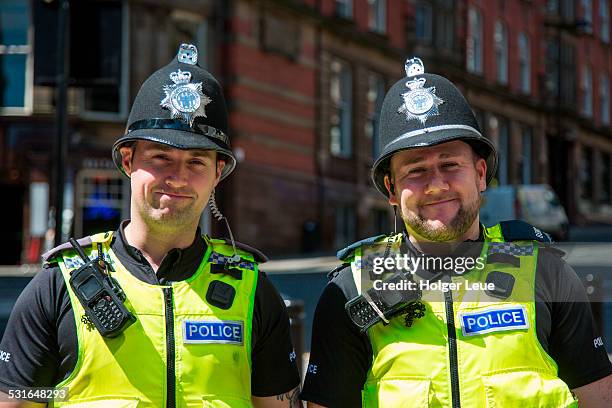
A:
178, 264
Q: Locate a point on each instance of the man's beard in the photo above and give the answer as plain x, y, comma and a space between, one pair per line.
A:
457, 227
162, 220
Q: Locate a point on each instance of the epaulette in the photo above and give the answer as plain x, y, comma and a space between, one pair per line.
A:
334, 272
52, 253
259, 256
517, 230
344, 253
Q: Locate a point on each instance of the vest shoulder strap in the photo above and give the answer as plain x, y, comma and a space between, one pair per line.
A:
223, 247
347, 252
516, 230
51, 256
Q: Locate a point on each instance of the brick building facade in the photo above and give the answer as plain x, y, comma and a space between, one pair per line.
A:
304, 81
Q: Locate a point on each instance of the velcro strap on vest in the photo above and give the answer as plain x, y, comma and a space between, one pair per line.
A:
219, 259
220, 268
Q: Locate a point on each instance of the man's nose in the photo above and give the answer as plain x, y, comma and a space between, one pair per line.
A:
177, 175
436, 182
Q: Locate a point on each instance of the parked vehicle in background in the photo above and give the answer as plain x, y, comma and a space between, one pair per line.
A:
536, 204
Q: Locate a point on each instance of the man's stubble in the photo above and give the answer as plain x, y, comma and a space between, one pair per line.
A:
457, 227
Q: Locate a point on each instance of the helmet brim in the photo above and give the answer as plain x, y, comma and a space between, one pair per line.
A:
178, 139
431, 137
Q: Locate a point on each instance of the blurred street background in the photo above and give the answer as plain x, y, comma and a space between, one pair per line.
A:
304, 81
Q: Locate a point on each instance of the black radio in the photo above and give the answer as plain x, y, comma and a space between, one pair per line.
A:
100, 294
383, 305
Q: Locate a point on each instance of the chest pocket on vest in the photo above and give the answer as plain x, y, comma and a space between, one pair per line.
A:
397, 392
527, 389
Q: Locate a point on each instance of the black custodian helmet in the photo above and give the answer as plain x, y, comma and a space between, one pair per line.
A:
180, 105
426, 110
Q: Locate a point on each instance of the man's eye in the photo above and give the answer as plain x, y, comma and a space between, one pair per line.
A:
197, 163
418, 170
450, 165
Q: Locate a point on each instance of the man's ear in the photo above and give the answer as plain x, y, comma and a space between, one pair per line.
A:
126, 159
481, 171
220, 166
391, 189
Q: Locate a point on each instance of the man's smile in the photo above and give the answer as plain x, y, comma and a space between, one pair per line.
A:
439, 202
173, 196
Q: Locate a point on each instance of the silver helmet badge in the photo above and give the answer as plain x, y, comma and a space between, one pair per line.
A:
419, 102
184, 99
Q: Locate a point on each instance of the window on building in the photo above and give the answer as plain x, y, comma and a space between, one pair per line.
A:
587, 15
501, 52
561, 77
503, 146
604, 21
552, 68
474, 41
375, 96
586, 85
377, 15
586, 173
346, 223
526, 160
344, 8
424, 22
445, 24
15, 57
279, 34
524, 63
604, 99
106, 85
568, 73
341, 113
567, 10
552, 7
604, 172
99, 200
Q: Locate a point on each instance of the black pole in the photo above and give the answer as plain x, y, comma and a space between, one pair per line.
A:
61, 114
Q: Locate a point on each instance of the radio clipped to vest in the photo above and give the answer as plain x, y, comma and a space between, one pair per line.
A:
381, 305
100, 294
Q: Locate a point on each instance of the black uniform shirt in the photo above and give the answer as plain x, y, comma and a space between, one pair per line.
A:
341, 355
41, 341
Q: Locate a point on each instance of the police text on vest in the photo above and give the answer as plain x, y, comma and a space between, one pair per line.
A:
494, 320
4, 356
202, 331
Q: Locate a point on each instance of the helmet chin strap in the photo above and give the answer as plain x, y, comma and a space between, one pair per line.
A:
395, 220
216, 213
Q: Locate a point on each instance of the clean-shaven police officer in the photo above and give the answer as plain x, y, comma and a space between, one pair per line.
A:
207, 329
527, 341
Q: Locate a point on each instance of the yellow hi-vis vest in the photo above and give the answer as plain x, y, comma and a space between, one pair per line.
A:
503, 366
154, 363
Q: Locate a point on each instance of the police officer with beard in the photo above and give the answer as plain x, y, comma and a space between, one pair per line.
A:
171, 318
524, 337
